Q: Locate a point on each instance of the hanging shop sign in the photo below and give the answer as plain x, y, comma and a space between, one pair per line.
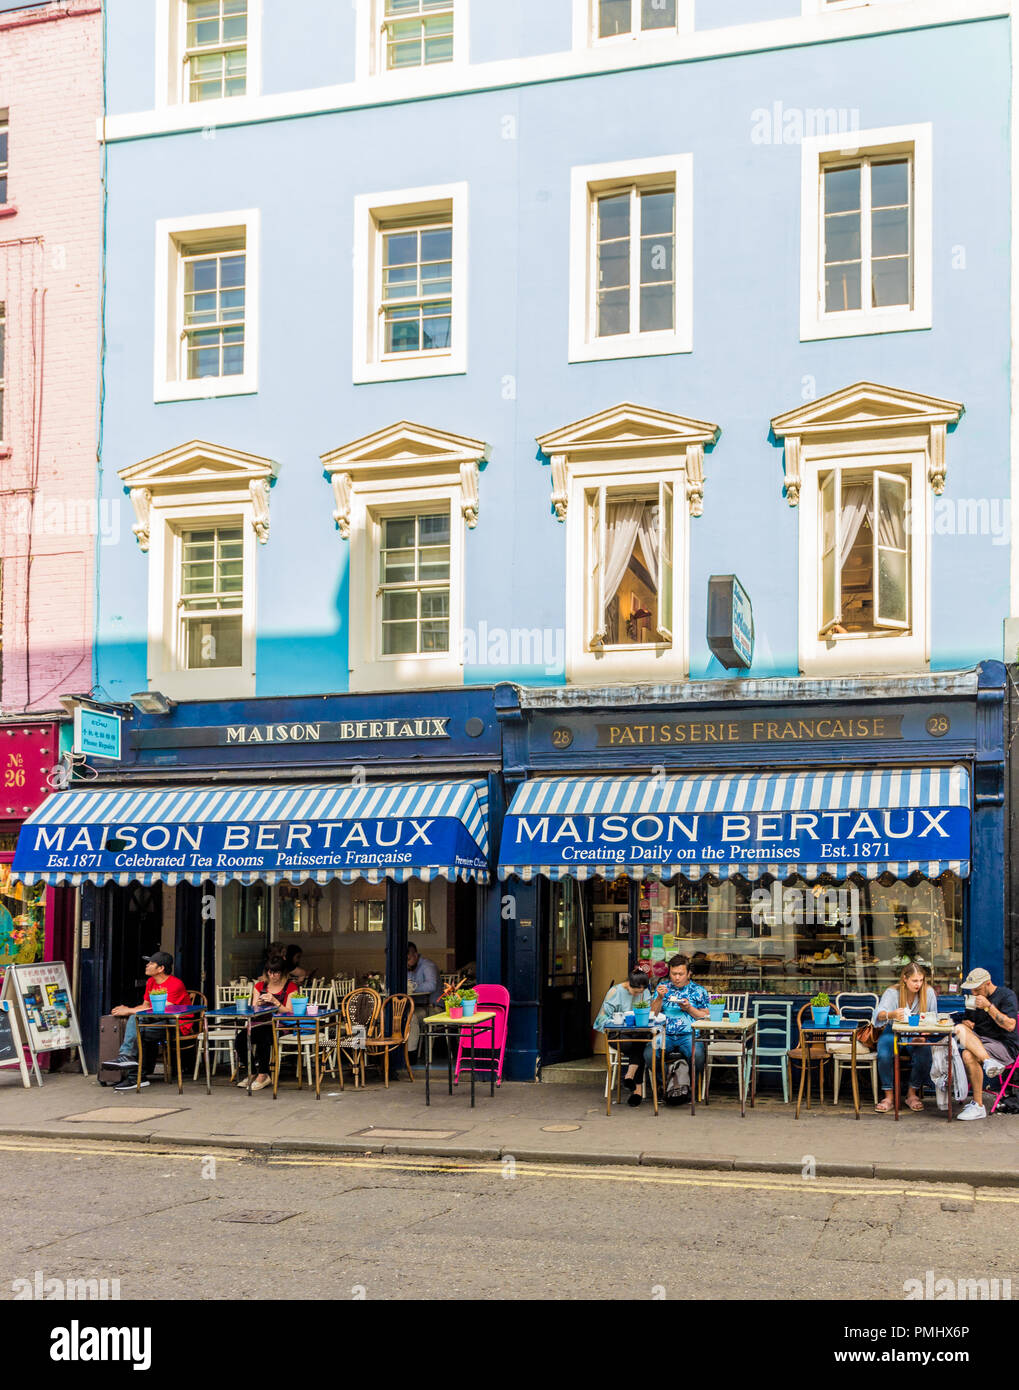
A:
730, 622
96, 732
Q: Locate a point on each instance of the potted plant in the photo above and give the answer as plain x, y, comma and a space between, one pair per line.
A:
469, 999
716, 1007
453, 1004
820, 1005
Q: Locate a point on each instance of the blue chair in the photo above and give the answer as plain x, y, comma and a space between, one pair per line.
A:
774, 1037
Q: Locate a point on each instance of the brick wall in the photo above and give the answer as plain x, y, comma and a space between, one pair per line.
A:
50, 84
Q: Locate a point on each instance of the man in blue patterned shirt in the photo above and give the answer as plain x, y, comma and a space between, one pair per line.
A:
683, 1001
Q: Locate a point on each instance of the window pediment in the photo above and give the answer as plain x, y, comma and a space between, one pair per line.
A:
867, 411
625, 432
198, 470
403, 456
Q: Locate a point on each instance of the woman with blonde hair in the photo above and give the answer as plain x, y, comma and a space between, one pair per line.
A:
911, 995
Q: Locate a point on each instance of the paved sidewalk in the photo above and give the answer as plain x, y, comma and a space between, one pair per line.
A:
563, 1124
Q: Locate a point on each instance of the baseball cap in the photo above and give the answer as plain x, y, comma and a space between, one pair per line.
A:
976, 978
161, 958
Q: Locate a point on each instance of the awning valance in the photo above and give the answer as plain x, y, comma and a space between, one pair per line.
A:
258, 833
837, 822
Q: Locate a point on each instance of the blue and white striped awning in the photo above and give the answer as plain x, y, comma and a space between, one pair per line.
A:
837, 822
258, 834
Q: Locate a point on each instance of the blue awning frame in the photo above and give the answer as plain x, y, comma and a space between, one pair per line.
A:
838, 789
457, 849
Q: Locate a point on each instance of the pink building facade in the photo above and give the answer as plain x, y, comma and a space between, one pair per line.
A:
50, 259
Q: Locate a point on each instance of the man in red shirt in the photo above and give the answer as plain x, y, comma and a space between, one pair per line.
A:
157, 971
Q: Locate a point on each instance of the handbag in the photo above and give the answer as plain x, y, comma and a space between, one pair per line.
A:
867, 1037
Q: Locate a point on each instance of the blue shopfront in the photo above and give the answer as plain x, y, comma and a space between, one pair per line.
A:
786, 843
337, 826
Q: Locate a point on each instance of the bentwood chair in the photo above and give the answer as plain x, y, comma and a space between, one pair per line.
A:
811, 1054
401, 1012
854, 1006
362, 1008
194, 1039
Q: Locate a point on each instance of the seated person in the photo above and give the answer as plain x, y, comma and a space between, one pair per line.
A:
273, 994
683, 1001
912, 995
295, 970
633, 993
422, 975
157, 972
987, 1037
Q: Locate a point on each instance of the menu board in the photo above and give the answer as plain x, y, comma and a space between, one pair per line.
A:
44, 999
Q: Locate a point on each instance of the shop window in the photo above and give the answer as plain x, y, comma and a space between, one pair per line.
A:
566, 935
864, 582
630, 262
22, 919
796, 937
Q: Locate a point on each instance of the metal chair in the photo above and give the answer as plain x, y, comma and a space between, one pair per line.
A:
401, 1013
727, 1054
223, 1038
859, 1006
774, 1038
301, 1039
362, 1008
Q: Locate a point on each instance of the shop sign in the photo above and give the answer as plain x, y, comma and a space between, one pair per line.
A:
296, 731
96, 732
795, 729
773, 837
216, 847
27, 757
730, 622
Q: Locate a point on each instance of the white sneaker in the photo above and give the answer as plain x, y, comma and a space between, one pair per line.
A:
973, 1112
993, 1068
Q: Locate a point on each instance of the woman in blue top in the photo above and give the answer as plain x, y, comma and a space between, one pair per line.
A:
633, 993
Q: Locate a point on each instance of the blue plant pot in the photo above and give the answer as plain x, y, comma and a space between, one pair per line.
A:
470, 1007
820, 1016
641, 1018
299, 1006
716, 1013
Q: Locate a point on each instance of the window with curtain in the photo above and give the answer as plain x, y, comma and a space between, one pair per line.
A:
630, 568
864, 552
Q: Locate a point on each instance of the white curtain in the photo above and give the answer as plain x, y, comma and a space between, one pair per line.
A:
857, 504
622, 520
891, 530
648, 532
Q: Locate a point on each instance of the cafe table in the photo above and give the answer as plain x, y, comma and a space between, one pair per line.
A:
846, 1031
452, 1030
170, 1021
741, 1031
617, 1035
303, 1026
921, 1035
244, 1016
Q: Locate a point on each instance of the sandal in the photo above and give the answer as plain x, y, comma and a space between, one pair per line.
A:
914, 1103
884, 1106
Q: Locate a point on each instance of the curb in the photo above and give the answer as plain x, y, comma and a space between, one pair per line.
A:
969, 1177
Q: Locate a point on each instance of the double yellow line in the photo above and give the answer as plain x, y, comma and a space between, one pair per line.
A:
512, 1168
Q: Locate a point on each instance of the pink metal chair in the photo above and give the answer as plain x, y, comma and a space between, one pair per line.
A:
491, 999
1008, 1078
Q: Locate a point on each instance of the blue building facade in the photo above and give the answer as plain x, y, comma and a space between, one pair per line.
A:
458, 345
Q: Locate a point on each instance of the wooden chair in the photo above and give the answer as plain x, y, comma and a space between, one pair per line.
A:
362, 1008
190, 1040
402, 1011
854, 1006
774, 1036
727, 1053
806, 1055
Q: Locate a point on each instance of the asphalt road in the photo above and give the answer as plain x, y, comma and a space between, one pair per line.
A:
172, 1224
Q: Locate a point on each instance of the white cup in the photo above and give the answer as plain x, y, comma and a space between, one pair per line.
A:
971, 1003
617, 1017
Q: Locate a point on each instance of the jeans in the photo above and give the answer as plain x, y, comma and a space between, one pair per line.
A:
680, 1046
129, 1046
918, 1057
